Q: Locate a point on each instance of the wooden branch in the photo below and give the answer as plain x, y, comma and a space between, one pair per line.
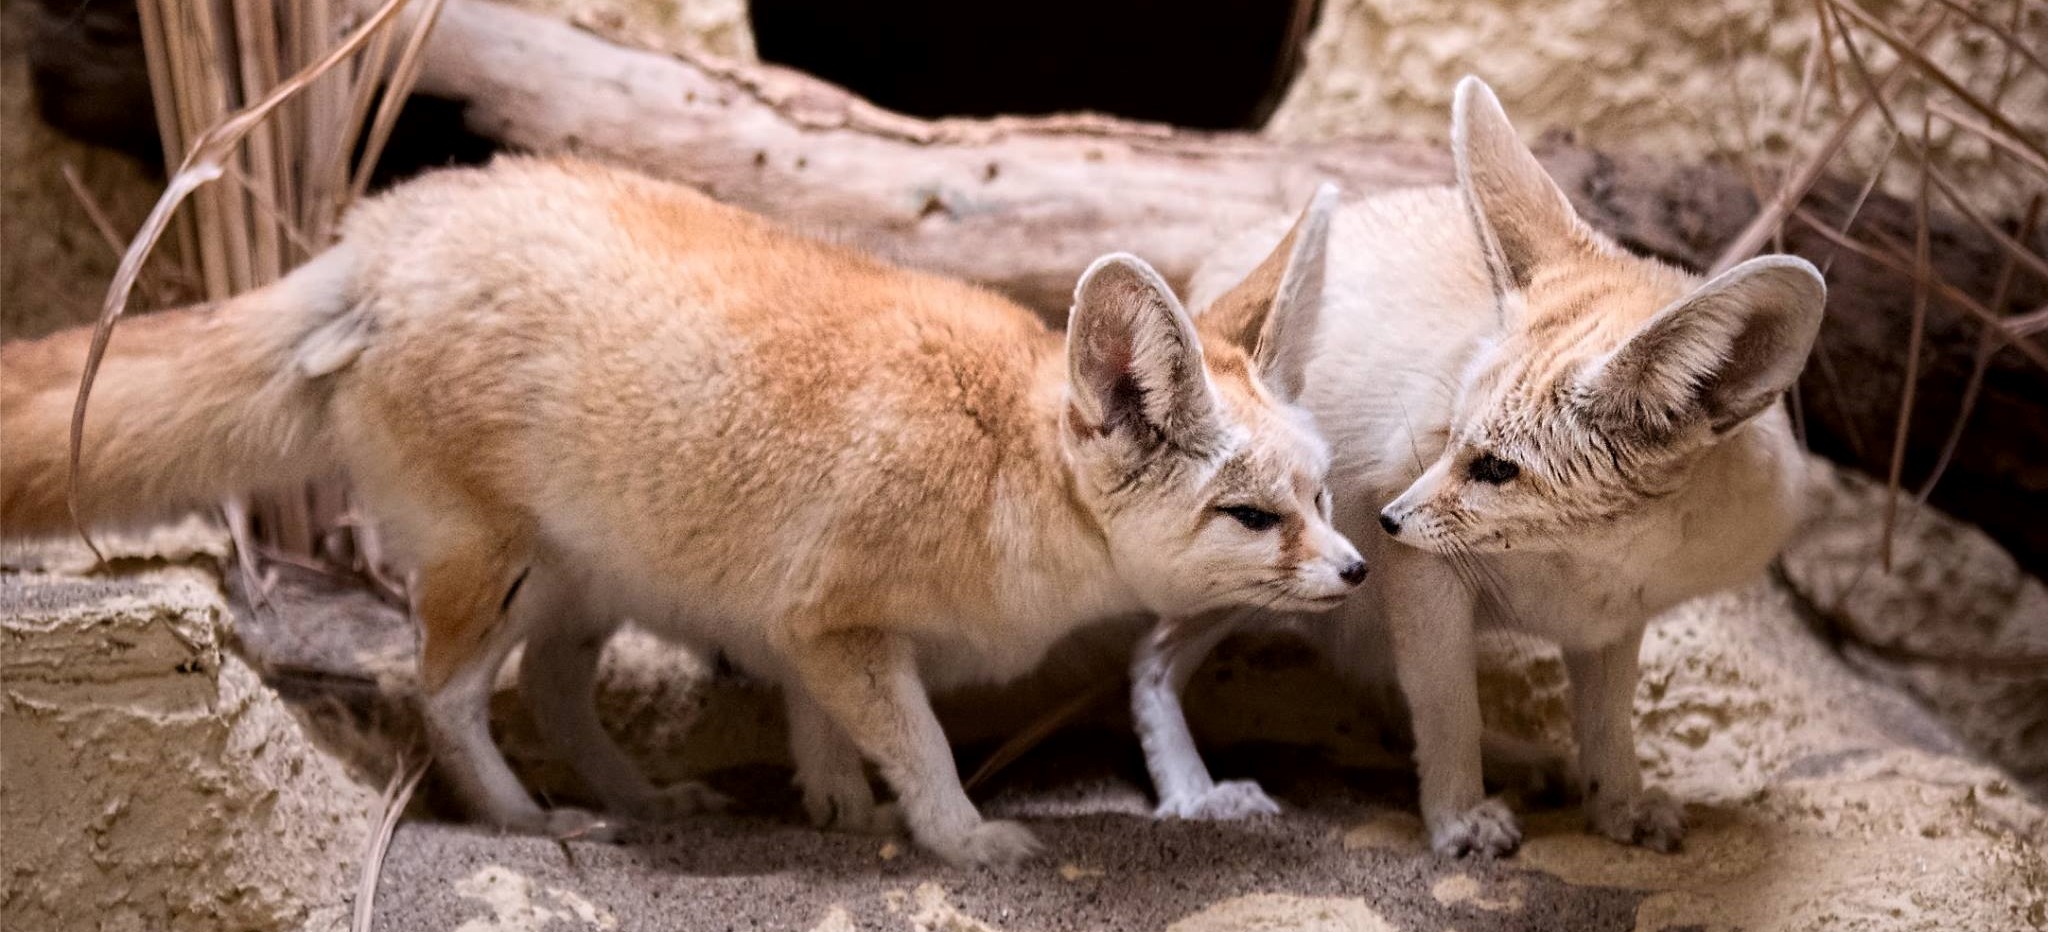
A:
1020, 204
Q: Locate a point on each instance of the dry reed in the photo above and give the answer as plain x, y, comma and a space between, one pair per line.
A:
1917, 88
405, 778
272, 97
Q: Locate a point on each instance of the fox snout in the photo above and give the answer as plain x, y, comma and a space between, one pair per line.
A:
1408, 518
1404, 523
1336, 570
1440, 524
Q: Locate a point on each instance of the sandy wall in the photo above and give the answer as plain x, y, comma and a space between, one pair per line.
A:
152, 780
1672, 78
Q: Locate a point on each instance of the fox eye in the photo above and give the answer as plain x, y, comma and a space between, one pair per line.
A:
1253, 519
1492, 470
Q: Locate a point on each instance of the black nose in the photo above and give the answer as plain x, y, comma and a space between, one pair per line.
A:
1388, 524
1353, 574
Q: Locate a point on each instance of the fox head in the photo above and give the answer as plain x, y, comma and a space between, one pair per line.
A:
1612, 374
1186, 444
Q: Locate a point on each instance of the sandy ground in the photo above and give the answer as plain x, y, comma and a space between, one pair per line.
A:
1819, 800
1821, 797
174, 761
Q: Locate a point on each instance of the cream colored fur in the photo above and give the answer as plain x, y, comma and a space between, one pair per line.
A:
1639, 406
573, 395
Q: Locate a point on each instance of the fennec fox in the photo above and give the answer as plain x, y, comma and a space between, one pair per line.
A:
1529, 427
574, 395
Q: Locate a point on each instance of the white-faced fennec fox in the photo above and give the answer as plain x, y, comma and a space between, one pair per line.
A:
1529, 427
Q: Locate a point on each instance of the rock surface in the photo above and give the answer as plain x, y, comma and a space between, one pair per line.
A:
1956, 623
152, 780
1718, 78
1821, 798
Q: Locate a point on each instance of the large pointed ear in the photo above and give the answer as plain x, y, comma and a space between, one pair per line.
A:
1133, 361
1523, 217
1275, 312
1724, 352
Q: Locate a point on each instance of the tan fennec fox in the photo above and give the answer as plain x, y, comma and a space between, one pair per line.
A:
573, 395
1553, 434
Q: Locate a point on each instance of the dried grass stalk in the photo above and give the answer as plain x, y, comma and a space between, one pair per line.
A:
405, 778
1801, 179
1922, 273
1980, 363
1915, 86
213, 66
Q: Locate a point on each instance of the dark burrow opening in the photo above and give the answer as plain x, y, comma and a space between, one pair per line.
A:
1205, 64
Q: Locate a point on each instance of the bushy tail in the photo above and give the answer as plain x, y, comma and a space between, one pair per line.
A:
190, 405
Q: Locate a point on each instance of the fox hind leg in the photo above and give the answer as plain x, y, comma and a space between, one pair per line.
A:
467, 635
558, 681
830, 772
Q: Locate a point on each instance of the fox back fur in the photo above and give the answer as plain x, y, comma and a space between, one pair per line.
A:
572, 395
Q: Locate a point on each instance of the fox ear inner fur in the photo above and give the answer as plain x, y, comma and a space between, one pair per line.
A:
1523, 218
1724, 352
1134, 361
1276, 311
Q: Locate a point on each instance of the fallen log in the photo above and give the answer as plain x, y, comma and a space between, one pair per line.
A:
1018, 203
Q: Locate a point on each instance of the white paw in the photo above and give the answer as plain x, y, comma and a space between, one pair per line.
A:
1226, 801
675, 802
1652, 819
995, 844
1487, 830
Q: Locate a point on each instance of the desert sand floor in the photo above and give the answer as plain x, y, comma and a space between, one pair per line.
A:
178, 758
